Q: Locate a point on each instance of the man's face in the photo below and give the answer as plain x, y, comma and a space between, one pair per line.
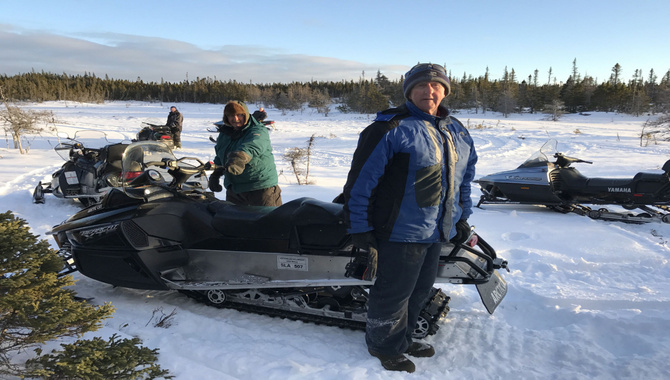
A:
172, 109
427, 96
237, 120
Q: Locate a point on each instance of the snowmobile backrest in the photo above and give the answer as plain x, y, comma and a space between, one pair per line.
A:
312, 211
319, 226
113, 154
666, 168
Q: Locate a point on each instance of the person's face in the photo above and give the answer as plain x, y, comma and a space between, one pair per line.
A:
172, 109
237, 120
427, 96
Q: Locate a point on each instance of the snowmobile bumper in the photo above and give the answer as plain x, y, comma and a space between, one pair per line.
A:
492, 292
474, 262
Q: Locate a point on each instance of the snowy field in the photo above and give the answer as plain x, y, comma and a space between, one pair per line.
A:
587, 299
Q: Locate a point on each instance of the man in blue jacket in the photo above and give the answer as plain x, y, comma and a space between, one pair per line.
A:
407, 193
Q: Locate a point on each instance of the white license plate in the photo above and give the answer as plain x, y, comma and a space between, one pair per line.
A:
292, 263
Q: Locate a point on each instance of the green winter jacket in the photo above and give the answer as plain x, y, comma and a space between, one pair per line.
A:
253, 139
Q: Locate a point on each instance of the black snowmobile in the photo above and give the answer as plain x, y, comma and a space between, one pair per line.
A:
88, 173
557, 185
295, 261
156, 132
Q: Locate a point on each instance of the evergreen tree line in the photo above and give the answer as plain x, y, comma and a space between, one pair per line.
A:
509, 94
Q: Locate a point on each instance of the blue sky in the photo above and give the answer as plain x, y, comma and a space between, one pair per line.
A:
301, 40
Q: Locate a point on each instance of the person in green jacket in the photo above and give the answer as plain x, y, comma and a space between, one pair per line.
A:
243, 149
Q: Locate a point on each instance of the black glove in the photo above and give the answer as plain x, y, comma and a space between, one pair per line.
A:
463, 230
364, 240
368, 242
214, 181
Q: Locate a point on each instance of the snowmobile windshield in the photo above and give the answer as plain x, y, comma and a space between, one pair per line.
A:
541, 157
141, 167
82, 139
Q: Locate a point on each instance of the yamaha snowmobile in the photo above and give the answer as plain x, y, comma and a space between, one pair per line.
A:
156, 132
88, 173
162, 232
557, 185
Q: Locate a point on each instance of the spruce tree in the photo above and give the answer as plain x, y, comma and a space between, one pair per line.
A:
36, 307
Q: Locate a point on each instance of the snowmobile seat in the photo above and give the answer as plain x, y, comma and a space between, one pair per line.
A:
650, 177
257, 222
600, 183
305, 222
649, 183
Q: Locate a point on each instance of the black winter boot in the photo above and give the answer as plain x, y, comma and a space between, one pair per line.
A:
420, 350
395, 362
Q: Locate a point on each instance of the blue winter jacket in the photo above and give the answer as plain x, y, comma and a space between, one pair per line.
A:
410, 176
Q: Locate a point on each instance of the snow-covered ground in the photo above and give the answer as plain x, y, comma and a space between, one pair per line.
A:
587, 299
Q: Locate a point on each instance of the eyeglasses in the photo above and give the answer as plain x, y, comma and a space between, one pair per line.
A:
426, 67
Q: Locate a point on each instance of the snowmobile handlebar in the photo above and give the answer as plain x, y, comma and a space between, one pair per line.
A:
154, 125
564, 161
181, 173
174, 165
78, 149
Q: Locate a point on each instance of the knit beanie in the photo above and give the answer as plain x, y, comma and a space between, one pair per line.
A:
234, 107
426, 72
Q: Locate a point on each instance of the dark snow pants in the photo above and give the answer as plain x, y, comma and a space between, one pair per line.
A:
405, 275
176, 137
264, 197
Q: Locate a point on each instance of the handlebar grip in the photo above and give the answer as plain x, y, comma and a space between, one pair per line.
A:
212, 166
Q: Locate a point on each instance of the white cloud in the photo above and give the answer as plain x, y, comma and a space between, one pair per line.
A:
152, 59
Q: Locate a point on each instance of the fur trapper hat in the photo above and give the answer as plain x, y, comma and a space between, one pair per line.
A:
426, 72
234, 107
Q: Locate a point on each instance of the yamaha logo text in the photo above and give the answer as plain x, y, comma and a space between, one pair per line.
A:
619, 190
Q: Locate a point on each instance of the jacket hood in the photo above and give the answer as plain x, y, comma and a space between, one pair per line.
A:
233, 107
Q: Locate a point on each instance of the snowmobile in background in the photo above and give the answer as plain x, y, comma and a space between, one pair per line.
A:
156, 132
295, 261
88, 173
260, 115
557, 185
